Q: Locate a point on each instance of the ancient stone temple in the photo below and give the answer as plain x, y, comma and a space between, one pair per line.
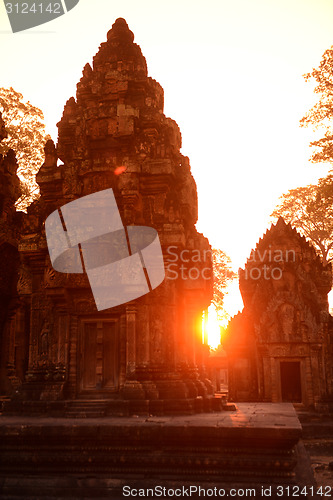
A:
146, 354
63, 355
280, 347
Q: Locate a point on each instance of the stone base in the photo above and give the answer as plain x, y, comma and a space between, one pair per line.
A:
70, 458
86, 406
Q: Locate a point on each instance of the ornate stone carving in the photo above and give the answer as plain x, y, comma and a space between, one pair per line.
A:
284, 286
114, 134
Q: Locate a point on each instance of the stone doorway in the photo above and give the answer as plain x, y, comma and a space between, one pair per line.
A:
291, 388
99, 363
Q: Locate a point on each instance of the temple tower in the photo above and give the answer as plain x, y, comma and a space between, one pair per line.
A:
146, 354
280, 346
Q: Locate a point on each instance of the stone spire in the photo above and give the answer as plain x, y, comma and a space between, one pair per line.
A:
284, 334
114, 134
282, 250
117, 121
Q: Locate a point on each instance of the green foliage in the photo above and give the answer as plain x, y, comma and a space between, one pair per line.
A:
223, 276
321, 114
26, 136
310, 210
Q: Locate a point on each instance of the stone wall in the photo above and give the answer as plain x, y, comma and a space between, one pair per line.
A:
12, 345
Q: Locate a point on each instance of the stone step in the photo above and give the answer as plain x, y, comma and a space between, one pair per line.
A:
74, 414
3, 400
101, 395
253, 446
86, 409
86, 405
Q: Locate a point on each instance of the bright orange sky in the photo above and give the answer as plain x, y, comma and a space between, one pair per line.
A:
232, 76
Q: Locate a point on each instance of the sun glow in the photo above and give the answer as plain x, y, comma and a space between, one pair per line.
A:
212, 328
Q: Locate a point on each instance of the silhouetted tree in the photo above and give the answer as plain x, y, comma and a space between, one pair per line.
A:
321, 114
223, 276
310, 210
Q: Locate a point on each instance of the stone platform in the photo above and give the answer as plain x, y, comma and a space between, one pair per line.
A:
95, 458
107, 407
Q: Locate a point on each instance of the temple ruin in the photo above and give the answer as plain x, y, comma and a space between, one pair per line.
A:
60, 355
280, 347
143, 361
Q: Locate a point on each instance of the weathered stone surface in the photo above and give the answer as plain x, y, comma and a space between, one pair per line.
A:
9, 263
280, 346
114, 135
3, 131
252, 447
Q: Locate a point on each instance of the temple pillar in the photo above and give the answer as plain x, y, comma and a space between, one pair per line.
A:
132, 388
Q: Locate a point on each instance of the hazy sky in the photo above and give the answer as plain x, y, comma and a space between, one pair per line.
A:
232, 77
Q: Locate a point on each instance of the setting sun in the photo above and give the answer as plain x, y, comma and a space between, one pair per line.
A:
212, 328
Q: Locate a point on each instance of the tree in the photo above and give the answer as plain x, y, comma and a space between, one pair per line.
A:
26, 136
321, 114
310, 210
223, 276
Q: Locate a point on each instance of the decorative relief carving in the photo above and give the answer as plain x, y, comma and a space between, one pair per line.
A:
24, 285
284, 286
